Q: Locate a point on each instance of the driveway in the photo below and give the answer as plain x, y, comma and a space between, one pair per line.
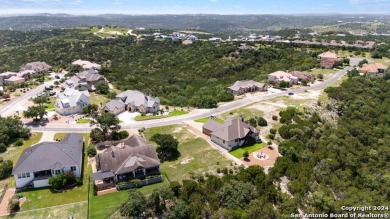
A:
128, 117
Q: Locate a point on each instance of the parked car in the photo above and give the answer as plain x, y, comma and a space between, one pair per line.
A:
52, 93
291, 93
42, 95
48, 88
57, 77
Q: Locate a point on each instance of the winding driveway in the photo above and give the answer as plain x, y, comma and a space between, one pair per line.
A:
196, 115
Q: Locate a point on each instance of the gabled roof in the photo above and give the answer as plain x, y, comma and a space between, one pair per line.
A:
373, 68
281, 75
137, 98
14, 78
212, 125
51, 155
328, 55
231, 129
70, 98
114, 104
86, 64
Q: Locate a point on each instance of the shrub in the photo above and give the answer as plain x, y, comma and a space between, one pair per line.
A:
14, 206
175, 187
123, 134
96, 135
5, 168
3, 148
91, 151
261, 121
271, 136
18, 142
273, 131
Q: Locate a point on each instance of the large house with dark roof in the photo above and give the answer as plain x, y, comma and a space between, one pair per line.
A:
36, 66
134, 101
232, 134
85, 80
47, 159
130, 159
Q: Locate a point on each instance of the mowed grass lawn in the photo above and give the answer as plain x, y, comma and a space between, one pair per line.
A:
13, 153
172, 113
204, 120
105, 205
98, 99
50, 105
197, 156
83, 121
77, 210
41, 198
239, 152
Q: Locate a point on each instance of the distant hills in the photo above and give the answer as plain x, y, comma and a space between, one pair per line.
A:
205, 22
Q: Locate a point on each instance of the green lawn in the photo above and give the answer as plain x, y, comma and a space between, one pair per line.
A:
77, 210
240, 151
83, 121
197, 156
327, 73
172, 113
41, 198
50, 106
13, 153
103, 206
204, 120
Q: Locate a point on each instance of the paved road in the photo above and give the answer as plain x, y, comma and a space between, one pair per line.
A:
193, 116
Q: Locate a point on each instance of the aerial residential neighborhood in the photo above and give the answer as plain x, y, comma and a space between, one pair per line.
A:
182, 110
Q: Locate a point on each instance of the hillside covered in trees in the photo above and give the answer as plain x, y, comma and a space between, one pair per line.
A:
330, 164
182, 75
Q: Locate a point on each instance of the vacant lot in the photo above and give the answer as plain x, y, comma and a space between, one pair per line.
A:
197, 156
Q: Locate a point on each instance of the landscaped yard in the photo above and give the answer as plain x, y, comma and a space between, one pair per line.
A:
13, 153
204, 120
197, 156
77, 210
172, 113
83, 121
41, 198
50, 106
240, 151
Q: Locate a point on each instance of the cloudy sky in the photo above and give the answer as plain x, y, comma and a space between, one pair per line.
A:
194, 6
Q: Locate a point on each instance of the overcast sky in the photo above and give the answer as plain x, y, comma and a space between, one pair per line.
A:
90, 7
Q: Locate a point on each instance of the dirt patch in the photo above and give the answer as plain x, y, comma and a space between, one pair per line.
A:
254, 160
186, 160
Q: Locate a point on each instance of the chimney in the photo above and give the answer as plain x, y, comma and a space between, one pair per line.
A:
112, 153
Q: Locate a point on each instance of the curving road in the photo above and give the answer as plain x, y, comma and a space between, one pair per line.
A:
204, 113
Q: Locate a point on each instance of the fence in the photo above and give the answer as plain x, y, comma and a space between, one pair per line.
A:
142, 183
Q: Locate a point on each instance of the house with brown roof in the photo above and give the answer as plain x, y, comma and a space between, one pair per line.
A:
302, 76
130, 159
232, 134
87, 65
13, 80
373, 69
242, 87
328, 59
278, 76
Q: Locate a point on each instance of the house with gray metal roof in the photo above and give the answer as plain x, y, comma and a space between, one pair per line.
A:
71, 101
48, 159
134, 101
232, 134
